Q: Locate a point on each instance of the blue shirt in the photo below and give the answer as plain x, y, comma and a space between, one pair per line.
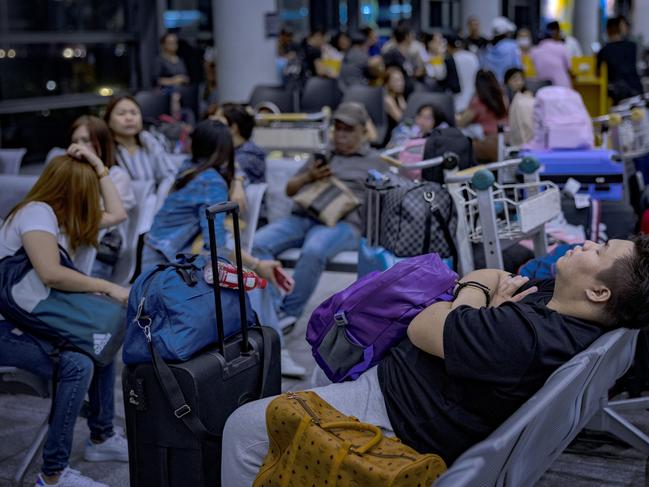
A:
499, 58
251, 159
182, 217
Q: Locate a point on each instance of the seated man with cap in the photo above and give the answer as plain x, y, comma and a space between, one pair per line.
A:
349, 160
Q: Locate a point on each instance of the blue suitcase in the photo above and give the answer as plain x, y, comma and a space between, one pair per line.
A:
600, 171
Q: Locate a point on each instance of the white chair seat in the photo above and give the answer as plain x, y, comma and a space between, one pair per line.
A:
345, 261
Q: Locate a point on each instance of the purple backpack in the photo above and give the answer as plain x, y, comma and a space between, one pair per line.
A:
353, 329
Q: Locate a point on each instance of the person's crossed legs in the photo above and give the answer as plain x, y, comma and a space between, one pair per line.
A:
247, 439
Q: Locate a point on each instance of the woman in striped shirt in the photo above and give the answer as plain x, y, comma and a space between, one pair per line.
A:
137, 151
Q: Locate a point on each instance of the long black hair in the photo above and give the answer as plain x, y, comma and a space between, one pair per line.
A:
489, 92
212, 147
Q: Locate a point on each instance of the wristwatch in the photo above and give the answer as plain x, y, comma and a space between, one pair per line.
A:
105, 172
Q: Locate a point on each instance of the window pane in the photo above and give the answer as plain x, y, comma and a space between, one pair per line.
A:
62, 15
55, 69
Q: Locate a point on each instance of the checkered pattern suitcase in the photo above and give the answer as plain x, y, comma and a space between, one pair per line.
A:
410, 218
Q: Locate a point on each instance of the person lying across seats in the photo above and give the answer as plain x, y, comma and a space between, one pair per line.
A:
467, 365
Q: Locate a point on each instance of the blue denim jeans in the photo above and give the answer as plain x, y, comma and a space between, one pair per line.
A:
77, 375
319, 243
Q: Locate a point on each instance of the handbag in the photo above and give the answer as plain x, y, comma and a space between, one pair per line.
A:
327, 200
89, 323
314, 444
109, 247
175, 305
417, 218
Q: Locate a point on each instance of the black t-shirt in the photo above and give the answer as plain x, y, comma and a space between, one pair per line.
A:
309, 56
621, 57
495, 359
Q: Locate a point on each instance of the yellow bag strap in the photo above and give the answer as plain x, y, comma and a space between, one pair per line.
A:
360, 427
297, 439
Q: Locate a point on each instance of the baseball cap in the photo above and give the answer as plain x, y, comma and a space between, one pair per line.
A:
502, 25
351, 113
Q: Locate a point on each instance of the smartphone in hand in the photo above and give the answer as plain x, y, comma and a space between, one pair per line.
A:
284, 280
320, 160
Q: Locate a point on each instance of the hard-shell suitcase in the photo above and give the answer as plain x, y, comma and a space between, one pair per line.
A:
600, 171
175, 413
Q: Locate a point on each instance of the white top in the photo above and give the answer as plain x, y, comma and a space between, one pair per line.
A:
573, 47
35, 216
467, 65
122, 182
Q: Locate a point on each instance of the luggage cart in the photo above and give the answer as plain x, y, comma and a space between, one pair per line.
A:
293, 132
499, 215
628, 127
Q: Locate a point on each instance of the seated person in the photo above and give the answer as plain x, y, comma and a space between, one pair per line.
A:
515, 83
64, 208
182, 217
394, 101
467, 365
350, 160
488, 107
427, 118
251, 159
138, 151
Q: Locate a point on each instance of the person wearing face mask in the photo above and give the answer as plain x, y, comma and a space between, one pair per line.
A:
524, 40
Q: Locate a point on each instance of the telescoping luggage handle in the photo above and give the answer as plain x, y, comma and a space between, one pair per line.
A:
166, 378
211, 212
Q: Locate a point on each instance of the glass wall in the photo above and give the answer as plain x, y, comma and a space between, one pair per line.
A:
50, 48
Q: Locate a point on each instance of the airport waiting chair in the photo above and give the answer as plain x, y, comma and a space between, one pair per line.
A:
574, 396
10, 160
277, 95
320, 92
140, 219
442, 101
18, 381
372, 98
13, 189
152, 104
54, 152
535, 85
189, 98
254, 199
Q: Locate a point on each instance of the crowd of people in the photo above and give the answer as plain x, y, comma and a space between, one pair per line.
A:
451, 346
449, 63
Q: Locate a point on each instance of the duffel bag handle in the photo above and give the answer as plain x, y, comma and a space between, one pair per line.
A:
355, 425
211, 212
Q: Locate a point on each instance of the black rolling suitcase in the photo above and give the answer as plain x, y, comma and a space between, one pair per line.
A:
175, 413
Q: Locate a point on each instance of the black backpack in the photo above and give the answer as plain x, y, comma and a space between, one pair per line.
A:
448, 139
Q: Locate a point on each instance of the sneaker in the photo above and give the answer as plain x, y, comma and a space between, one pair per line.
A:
290, 368
287, 324
70, 478
114, 449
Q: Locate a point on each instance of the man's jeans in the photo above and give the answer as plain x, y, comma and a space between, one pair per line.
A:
319, 243
75, 378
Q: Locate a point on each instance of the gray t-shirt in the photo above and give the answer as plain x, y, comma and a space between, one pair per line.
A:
351, 170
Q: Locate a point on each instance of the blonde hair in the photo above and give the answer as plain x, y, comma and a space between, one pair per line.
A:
71, 188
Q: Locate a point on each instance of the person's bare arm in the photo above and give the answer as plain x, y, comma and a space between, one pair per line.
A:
392, 108
114, 212
465, 118
426, 330
43, 252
